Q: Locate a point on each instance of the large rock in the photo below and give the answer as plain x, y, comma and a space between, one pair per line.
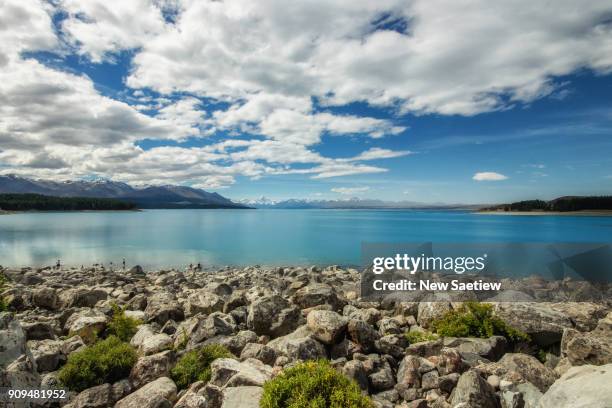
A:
101, 396
194, 397
163, 306
227, 372
544, 324
87, 324
517, 367
317, 294
144, 332
273, 316
203, 301
429, 311
160, 393
155, 344
299, 345
492, 348
39, 330
355, 370
81, 297
152, 367
47, 354
327, 326
584, 315
473, 391
265, 354
12, 340
581, 387
363, 334
17, 366
587, 348
216, 324
45, 298
235, 343
242, 397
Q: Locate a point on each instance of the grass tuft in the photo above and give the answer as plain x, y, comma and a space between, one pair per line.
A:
195, 365
106, 361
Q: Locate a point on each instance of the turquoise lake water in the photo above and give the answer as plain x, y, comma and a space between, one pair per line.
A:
157, 238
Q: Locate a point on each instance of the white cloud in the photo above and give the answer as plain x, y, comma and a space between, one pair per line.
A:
99, 28
269, 60
489, 176
453, 59
350, 190
376, 153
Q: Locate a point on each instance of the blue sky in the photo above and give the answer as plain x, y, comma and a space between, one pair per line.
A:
397, 101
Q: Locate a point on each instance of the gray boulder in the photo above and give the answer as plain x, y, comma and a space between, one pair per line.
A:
86, 323
81, 297
160, 393
317, 294
242, 397
363, 334
261, 352
586, 386
593, 347
163, 306
298, 345
45, 298
203, 301
327, 326
227, 372
273, 316
155, 344
473, 391
152, 367
544, 324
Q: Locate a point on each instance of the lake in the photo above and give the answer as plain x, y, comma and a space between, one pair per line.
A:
157, 238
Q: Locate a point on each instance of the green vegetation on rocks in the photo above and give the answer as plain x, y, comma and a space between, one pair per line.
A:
313, 384
3, 282
107, 361
475, 319
122, 326
418, 336
195, 365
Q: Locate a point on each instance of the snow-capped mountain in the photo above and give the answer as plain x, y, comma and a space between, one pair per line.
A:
350, 203
168, 196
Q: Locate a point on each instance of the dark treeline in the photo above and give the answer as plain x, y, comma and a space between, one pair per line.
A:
558, 204
38, 202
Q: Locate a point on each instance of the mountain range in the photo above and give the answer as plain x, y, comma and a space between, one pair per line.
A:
350, 203
167, 196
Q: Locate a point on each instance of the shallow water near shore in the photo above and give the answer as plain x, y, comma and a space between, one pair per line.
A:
158, 238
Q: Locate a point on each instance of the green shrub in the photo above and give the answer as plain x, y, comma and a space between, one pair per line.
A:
475, 319
195, 365
121, 325
418, 336
313, 384
106, 361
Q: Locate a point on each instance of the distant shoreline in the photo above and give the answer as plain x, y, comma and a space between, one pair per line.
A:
583, 213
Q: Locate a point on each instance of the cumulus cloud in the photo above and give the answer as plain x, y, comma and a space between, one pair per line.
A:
489, 176
275, 72
350, 190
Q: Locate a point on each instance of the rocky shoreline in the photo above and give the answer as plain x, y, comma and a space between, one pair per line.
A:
272, 318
